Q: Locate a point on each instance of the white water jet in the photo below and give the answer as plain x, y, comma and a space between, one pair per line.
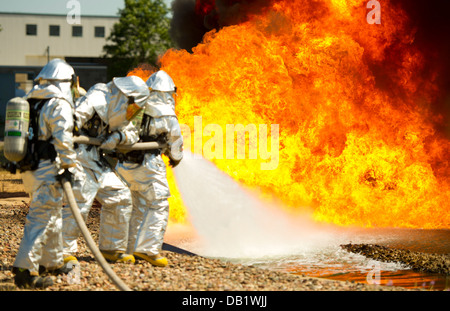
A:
233, 223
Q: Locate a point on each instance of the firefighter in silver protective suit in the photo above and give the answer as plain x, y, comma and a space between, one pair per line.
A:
51, 101
105, 112
145, 171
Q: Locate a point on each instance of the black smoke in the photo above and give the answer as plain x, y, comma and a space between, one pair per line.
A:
188, 28
429, 18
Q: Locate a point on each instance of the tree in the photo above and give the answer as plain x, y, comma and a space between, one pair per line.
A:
140, 36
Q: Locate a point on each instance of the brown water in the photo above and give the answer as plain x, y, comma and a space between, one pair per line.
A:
336, 264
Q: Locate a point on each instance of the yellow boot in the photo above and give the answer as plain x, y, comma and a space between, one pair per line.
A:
118, 256
70, 258
156, 260
69, 263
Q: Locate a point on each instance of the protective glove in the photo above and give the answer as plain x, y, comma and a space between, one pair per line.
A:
173, 162
112, 141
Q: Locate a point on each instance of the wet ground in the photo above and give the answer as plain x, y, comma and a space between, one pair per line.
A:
408, 258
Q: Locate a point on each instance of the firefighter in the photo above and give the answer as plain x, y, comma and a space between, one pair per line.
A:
104, 112
145, 171
41, 246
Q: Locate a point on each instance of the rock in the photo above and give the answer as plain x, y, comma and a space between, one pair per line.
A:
433, 263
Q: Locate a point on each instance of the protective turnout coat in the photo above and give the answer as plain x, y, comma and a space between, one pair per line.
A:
103, 109
147, 179
42, 240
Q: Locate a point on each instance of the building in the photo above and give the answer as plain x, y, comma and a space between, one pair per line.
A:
29, 41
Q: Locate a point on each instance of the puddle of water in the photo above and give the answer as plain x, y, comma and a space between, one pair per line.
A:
333, 262
362, 270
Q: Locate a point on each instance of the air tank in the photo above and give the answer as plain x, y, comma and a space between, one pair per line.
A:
16, 129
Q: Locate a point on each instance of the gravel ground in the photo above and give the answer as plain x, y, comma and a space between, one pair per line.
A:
423, 262
184, 273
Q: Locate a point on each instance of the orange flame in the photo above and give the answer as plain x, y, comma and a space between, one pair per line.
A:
144, 71
357, 139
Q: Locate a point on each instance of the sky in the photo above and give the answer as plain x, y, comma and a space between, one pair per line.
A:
88, 7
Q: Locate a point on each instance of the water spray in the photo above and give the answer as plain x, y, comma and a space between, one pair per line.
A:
233, 222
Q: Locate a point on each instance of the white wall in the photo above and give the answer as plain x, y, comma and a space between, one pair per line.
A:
18, 49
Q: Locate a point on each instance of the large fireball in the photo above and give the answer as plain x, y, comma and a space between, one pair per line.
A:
358, 138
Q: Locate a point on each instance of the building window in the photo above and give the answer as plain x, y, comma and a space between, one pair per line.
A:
31, 30
99, 32
77, 31
54, 30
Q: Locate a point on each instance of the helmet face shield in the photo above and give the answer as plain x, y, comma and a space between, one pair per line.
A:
74, 87
133, 109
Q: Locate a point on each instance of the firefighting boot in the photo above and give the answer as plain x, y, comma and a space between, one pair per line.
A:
70, 259
23, 278
69, 264
155, 260
118, 256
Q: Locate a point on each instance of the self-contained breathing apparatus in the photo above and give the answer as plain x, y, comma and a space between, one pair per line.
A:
22, 148
34, 150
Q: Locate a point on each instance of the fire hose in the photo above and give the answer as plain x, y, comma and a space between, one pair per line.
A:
79, 219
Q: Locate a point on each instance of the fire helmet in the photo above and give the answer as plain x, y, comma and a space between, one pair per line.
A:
161, 81
57, 70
